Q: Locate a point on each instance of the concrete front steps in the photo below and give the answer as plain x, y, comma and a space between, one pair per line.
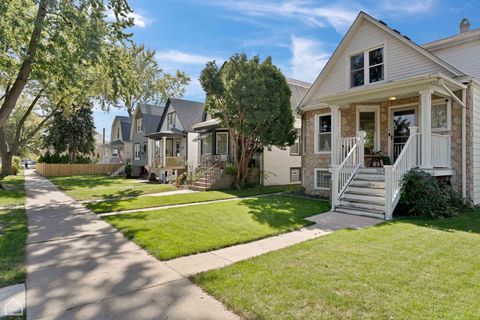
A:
365, 195
206, 182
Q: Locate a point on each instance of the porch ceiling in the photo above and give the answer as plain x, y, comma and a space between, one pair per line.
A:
381, 92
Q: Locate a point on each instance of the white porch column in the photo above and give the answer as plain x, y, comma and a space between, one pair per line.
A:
336, 133
361, 148
164, 151
426, 128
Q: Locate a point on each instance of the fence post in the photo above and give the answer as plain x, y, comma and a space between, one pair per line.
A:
361, 147
388, 191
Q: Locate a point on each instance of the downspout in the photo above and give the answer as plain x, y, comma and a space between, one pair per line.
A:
462, 103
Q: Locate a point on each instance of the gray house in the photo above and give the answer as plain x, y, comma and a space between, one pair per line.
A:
145, 120
120, 146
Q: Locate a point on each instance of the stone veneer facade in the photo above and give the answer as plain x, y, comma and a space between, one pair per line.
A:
311, 161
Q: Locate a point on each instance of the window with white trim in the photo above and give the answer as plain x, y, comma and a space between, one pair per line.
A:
295, 148
441, 115
323, 131
136, 151
171, 119
295, 174
367, 67
139, 125
221, 141
322, 179
115, 152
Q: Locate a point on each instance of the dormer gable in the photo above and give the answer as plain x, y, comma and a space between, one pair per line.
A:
371, 54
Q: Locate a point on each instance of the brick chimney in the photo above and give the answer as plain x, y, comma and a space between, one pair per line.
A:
464, 25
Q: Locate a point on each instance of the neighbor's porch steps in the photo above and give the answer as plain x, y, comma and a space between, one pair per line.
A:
365, 195
205, 183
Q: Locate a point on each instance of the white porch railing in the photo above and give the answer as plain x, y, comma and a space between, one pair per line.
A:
343, 173
344, 147
441, 150
406, 160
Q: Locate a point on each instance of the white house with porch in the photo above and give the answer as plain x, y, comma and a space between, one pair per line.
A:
383, 105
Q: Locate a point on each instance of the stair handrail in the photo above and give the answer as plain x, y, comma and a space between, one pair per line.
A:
406, 160
206, 173
343, 173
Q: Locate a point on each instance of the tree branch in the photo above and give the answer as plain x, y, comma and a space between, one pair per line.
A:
39, 126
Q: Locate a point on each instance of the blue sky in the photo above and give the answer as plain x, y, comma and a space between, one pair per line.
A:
299, 35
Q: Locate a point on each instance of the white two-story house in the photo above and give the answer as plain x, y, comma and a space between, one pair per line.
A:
386, 101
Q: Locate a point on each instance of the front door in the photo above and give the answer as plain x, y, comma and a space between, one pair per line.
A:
401, 119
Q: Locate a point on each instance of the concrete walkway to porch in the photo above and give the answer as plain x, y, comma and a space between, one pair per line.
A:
80, 267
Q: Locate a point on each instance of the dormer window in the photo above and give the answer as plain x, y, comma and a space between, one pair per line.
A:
367, 67
171, 119
139, 125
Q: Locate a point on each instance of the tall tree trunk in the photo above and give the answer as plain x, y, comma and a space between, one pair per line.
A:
11, 97
6, 155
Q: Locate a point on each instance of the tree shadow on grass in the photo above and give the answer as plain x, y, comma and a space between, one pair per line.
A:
128, 193
284, 213
467, 221
115, 203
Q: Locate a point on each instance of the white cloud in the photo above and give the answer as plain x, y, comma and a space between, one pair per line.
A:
337, 16
308, 58
181, 57
139, 19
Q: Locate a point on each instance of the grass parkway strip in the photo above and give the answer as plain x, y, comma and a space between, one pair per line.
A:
176, 232
406, 269
149, 202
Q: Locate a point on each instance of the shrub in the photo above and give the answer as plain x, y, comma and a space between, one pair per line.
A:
128, 171
16, 165
423, 195
230, 169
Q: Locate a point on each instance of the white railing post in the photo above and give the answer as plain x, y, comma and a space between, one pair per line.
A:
426, 128
164, 151
361, 148
414, 132
336, 127
335, 178
388, 191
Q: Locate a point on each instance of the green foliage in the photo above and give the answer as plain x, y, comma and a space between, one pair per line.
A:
423, 195
72, 132
16, 165
230, 168
128, 171
133, 75
62, 158
252, 99
181, 179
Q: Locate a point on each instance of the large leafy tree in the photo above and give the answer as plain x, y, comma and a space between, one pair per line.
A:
134, 76
45, 47
72, 132
252, 99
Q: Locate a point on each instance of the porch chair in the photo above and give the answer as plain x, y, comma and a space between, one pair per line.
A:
375, 157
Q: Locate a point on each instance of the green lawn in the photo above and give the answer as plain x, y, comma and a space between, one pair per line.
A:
94, 187
148, 202
14, 194
175, 232
13, 231
410, 269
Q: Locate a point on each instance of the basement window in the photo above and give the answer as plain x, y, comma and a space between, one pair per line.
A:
322, 179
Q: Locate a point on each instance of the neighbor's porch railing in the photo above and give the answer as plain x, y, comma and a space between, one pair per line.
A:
169, 162
408, 158
343, 173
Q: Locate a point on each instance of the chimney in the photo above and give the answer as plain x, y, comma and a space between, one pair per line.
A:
464, 25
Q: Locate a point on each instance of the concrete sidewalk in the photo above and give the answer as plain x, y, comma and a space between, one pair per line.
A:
80, 267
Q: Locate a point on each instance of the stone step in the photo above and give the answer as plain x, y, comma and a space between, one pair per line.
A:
371, 170
368, 184
366, 190
363, 212
369, 177
364, 198
359, 205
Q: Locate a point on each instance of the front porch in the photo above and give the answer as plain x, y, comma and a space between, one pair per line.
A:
416, 126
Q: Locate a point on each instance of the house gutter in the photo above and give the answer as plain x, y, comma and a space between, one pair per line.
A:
464, 133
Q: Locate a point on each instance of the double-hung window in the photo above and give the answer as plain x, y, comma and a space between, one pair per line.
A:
171, 118
295, 148
136, 151
323, 131
367, 67
139, 125
222, 143
295, 174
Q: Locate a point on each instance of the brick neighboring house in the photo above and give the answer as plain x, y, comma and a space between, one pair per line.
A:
382, 94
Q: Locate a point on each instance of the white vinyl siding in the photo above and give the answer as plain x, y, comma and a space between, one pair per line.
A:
401, 61
465, 57
476, 144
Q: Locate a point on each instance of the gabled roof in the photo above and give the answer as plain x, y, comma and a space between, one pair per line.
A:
299, 89
362, 16
188, 113
453, 40
151, 115
125, 125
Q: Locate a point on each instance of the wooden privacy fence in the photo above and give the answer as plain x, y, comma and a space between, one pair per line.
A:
63, 169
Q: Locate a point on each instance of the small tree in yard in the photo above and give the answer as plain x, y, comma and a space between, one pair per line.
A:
72, 132
252, 99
